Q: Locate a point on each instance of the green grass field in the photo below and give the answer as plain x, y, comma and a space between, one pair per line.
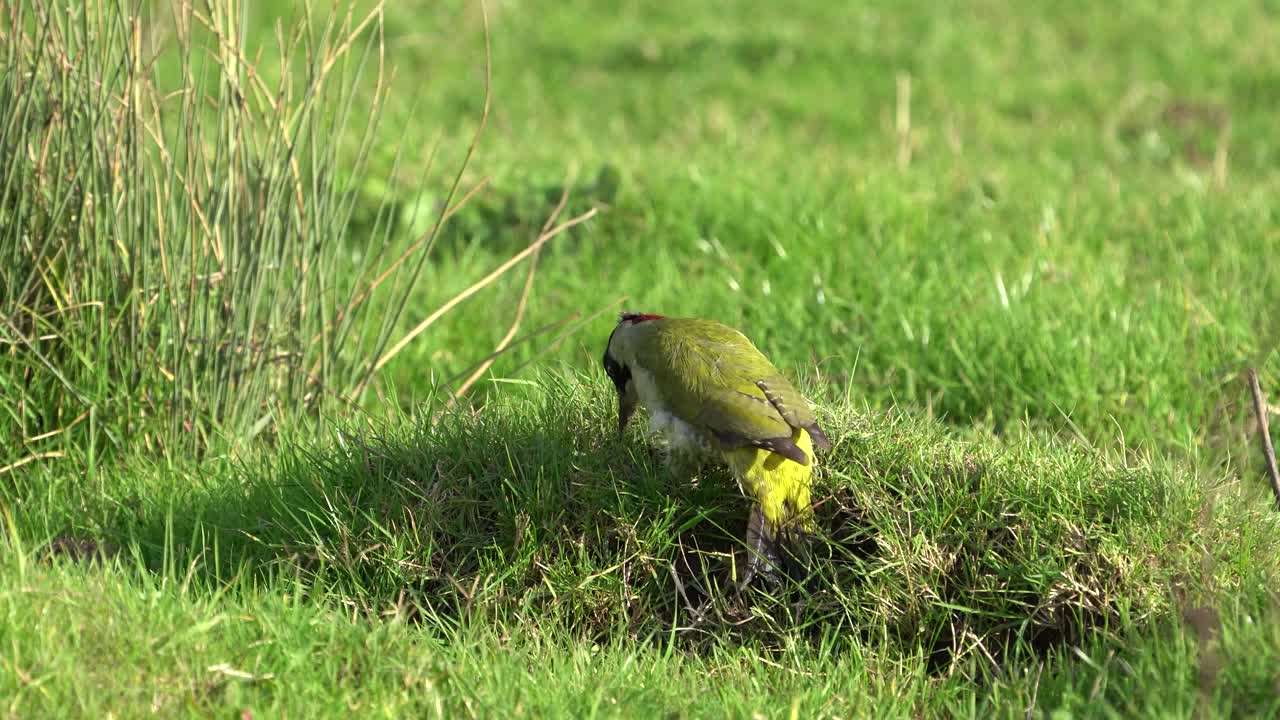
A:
1020, 255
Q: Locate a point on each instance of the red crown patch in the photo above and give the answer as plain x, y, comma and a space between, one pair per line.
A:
634, 318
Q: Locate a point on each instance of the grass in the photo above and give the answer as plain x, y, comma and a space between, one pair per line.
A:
192, 256
270, 654
529, 531
1019, 253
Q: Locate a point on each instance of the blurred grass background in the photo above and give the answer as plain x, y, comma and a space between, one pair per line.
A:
994, 211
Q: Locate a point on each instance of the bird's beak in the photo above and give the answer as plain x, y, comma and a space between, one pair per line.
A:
626, 407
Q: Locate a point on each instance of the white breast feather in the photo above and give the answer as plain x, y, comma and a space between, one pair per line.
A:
679, 434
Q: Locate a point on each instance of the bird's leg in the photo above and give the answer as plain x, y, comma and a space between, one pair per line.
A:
762, 550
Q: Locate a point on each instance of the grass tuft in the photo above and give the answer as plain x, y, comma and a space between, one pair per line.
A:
178, 272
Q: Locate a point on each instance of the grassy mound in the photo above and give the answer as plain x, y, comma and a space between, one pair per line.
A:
532, 512
528, 545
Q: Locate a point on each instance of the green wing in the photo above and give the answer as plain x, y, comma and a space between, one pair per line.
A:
713, 377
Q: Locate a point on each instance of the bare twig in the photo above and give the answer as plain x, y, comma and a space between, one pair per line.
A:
577, 320
59, 431
386, 273
1268, 452
520, 308
31, 458
447, 206
675, 576
477, 287
542, 330
474, 372
571, 330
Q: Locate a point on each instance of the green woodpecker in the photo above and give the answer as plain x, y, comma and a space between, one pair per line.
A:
710, 391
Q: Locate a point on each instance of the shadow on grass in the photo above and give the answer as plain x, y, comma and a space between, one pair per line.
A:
532, 512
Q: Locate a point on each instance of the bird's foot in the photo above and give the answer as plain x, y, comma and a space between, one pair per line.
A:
759, 570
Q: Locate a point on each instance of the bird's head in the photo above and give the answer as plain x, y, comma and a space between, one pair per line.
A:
619, 357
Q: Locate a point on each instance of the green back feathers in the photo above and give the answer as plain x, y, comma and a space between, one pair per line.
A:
712, 377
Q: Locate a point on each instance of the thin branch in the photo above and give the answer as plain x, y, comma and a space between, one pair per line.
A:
473, 373
520, 308
575, 318
60, 430
503, 344
373, 284
1268, 452
31, 458
477, 287
571, 330
448, 201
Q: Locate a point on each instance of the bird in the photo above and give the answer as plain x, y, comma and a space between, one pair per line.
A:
711, 393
